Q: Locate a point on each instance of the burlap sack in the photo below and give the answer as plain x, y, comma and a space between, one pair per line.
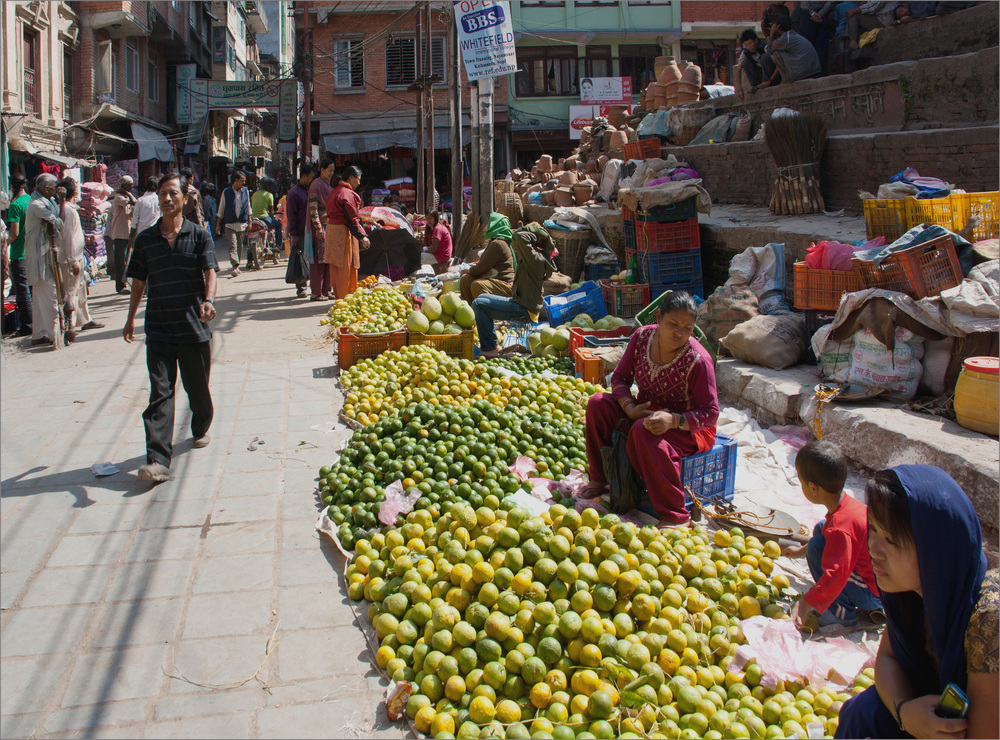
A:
776, 342
725, 309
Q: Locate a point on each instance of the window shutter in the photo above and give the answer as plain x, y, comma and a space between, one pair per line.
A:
342, 63
438, 65
105, 72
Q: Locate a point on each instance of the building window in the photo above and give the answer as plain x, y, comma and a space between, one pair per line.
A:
30, 62
545, 71
543, 4
638, 3
153, 82
194, 16
67, 85
348, 63
596, 4
232, 51
401, 60
131, 66
598, 61
637, 61
106, 70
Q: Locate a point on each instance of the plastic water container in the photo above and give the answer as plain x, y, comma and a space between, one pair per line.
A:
977, 395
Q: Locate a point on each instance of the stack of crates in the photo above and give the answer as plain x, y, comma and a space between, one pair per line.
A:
666, 245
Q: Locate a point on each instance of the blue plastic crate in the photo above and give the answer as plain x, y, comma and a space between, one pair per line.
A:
602, 272
675, 267
696, 288
588, 299
710, 475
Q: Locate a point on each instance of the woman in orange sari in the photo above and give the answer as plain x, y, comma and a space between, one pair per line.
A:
344, 233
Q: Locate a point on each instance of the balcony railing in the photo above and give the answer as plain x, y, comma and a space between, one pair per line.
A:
30, 92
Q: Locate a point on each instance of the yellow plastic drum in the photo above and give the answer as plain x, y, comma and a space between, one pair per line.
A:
977, 395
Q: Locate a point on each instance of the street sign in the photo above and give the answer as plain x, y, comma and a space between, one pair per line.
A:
606, 90
185, 73
207, 95
581, 116
486, 37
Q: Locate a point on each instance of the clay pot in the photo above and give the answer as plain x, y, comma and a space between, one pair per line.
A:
564, 197
691, 75
549, 197
660, 64
659, 96
562, 163
591, 165
534, 189
550, 183
583, 191
602, 162
669, 72
617, 116
567, 178
544, 163
573, 162
618, 140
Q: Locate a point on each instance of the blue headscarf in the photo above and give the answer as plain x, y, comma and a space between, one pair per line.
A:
949, 544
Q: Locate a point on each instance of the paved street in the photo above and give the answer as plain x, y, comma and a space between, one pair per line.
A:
206, 606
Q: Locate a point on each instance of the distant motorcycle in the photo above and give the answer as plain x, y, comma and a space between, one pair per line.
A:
262, 243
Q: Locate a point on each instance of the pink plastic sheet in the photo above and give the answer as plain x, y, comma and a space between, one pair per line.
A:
396, 502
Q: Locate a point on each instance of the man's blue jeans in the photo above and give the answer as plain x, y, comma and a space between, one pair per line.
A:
274, 223
489, 308
855, 595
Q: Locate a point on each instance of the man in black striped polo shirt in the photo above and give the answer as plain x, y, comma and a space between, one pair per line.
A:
175, 261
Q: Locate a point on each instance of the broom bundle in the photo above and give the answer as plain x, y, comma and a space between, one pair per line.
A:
796, 141
473, 234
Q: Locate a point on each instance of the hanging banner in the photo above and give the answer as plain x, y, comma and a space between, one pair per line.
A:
486, 37
185, 73
606, 90
581, 116
209, 95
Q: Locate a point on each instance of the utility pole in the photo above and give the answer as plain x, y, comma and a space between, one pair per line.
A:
421, 112
455, 108
485, 151
429, 88
307, 83
477, 183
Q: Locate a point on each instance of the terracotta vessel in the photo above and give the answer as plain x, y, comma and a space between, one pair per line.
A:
617, 116
564, 197
567, 178
659, 96
669, 72
591, 165
602, 161
562, 163
618, 140
583, 191
545, 163
691, 75
549, 197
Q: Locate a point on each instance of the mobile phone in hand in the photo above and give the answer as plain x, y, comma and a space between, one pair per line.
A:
954, 703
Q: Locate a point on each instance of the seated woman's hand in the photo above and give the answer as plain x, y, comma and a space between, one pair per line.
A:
636, 411
660, 422
920, 719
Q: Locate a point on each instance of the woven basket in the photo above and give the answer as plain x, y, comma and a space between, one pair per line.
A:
503, 186
572, 246
510, 205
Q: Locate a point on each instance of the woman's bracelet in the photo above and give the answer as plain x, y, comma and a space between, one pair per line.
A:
899, 717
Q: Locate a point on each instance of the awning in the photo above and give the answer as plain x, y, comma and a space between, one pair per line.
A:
376, 140
22, 144
152, 144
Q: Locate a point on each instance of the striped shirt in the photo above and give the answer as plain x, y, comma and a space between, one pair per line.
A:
175, 282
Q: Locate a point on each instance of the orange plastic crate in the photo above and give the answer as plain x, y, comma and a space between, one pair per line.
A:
885, 218
454, 345
588, 367
351, 348
624, 300
920, 271
642, 149
820, 290
577, 336
984, 205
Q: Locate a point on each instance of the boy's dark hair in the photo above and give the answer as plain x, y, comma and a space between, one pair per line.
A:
237, 174
747, 35
306, 169
174, 175
69, 185
187, 172
823, 464
889, 507
18, 182
151, 184
783, 24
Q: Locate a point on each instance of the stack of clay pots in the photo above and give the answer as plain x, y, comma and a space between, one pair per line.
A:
566, 183
676, 84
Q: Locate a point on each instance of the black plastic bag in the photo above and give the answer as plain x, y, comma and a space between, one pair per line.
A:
296, 272
624, 482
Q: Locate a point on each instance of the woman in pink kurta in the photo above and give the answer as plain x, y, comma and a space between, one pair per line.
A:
674, 414
320, 276
437, 237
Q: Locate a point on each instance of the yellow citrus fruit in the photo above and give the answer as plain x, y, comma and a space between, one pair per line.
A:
749, 607
424, 718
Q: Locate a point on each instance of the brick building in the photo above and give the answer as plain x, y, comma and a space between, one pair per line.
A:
124, 78
363, 60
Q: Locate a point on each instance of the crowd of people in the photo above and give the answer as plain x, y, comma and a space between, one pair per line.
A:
798, 37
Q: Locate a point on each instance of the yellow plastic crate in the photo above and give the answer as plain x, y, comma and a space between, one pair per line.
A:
455, 345
885, 218
931, 211
984, 205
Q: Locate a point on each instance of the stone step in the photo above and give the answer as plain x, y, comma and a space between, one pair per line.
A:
873, 435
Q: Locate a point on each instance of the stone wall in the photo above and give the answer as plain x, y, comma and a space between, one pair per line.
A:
956, 33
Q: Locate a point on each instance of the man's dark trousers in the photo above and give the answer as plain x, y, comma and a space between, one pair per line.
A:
120, 247
194, 359
22, 292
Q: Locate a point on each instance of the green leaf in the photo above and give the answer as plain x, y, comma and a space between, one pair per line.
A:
632, 700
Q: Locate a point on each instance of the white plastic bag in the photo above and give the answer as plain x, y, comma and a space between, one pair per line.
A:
873, 365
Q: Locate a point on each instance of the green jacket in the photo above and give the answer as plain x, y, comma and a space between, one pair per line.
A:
531, 245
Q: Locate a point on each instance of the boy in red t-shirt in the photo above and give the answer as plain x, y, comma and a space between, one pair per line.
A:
838, 551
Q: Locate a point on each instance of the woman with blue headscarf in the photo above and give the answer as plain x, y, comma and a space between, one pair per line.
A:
941, 607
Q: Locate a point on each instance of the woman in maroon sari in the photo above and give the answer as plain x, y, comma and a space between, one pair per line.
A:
674, 415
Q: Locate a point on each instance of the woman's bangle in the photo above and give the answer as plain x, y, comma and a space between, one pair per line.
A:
899, 716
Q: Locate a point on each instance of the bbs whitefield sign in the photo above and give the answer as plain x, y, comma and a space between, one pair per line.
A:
486, 37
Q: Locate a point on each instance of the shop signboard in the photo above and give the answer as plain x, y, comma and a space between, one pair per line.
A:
209, 95
606, 90
486, 37
185, 73
581, 116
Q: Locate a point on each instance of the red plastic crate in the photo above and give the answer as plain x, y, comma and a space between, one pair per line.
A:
352, 348
624, 300
821, 289
920, 271
660, 238
642, 149
576, 336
